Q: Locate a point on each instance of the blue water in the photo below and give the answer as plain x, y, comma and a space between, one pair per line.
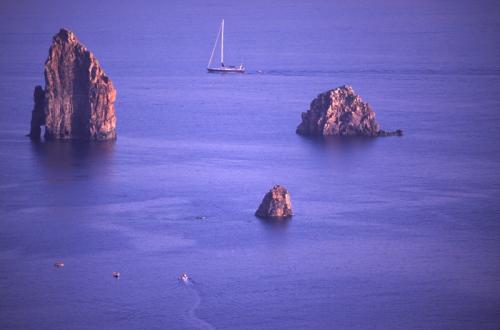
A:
391, 233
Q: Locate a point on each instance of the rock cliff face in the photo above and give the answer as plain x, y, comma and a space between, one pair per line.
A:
78, 97
340, 112
276, 204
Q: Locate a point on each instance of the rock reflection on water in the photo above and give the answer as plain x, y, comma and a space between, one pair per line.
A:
276, 224
64, 167
340, 143
65, 156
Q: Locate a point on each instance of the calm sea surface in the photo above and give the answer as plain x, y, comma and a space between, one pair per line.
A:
391, 233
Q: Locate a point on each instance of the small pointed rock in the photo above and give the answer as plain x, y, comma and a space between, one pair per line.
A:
275, 204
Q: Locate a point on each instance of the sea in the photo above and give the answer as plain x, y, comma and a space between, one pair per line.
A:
387, 233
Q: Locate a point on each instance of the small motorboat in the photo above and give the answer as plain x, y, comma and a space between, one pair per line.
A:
184, 277
116, 274
59, 264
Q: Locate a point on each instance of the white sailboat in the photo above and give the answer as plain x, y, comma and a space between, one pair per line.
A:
222, 67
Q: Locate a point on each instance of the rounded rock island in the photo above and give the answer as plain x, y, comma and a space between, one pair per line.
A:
341, 112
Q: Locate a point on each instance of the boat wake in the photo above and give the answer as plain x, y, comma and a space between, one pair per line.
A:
191, 313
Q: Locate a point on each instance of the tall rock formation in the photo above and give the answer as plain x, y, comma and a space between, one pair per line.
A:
275, 204
78, 97
340, 112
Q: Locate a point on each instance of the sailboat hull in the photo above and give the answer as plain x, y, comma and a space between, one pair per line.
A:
226, 70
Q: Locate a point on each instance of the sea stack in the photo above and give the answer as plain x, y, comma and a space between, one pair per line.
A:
38, 113
78, 99
341, 112
276, 204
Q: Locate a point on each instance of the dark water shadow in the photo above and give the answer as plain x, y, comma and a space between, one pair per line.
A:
66, 186
340, 143
275, 232
92, 157
275, 224
338, 149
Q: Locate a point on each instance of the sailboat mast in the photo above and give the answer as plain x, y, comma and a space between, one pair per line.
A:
222, 45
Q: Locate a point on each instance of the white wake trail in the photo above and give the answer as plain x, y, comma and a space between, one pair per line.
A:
192, 317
